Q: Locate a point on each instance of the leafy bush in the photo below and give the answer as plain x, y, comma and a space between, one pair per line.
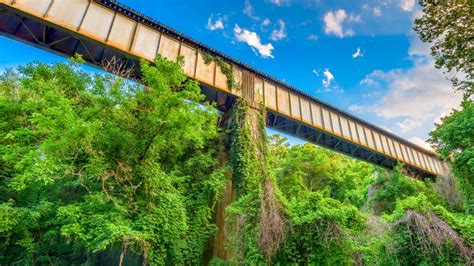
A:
393, 186
320, 226
428, 234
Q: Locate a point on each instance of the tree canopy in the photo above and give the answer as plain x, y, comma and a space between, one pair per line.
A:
453, 138
92, 165
449, 26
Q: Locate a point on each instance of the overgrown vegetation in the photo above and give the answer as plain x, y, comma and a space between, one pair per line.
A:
454, 140
345, 212
225, 67
259, 213
95, 169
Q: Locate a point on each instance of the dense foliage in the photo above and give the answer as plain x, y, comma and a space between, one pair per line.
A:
453, 138
344, 212
98, 170
94, 169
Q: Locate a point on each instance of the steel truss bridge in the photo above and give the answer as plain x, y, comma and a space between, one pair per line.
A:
103, 30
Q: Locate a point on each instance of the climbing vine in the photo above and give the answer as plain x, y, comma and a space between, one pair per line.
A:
226, 68
260, 215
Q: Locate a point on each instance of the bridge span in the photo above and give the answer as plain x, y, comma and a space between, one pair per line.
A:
103, 29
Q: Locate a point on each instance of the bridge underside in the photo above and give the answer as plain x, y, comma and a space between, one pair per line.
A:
44, 35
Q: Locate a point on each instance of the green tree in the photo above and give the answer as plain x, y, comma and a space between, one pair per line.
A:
303, 168
94, 168
391, 186
319, 186
453, 139
449, 26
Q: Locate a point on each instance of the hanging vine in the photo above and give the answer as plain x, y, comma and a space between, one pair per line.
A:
226, 68
260, 215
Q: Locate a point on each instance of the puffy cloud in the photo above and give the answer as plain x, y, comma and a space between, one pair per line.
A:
418, 141
357, 53
328, 78
334, 23
253, 40
377, 11
417, 97
218, 24
407, 5
408, 124
280, 33
411, 100
313, 37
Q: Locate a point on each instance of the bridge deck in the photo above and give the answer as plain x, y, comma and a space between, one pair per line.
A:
103, 29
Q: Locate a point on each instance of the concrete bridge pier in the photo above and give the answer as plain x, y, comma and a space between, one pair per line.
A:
218, 246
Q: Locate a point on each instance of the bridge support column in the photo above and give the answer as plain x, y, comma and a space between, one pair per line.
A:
247, 153
217, 245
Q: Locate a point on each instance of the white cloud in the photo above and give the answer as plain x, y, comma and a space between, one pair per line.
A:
313, 37
357, 53
409, 124
334, 23
328, 78
418, 141
409, 101
377, 11
253, 40
218, 24
372, 80
407, 5
417, 97
417, 47
266, 22
279, 2
409, 88
279, 34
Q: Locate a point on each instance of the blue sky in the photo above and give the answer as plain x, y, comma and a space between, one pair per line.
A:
361, 56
